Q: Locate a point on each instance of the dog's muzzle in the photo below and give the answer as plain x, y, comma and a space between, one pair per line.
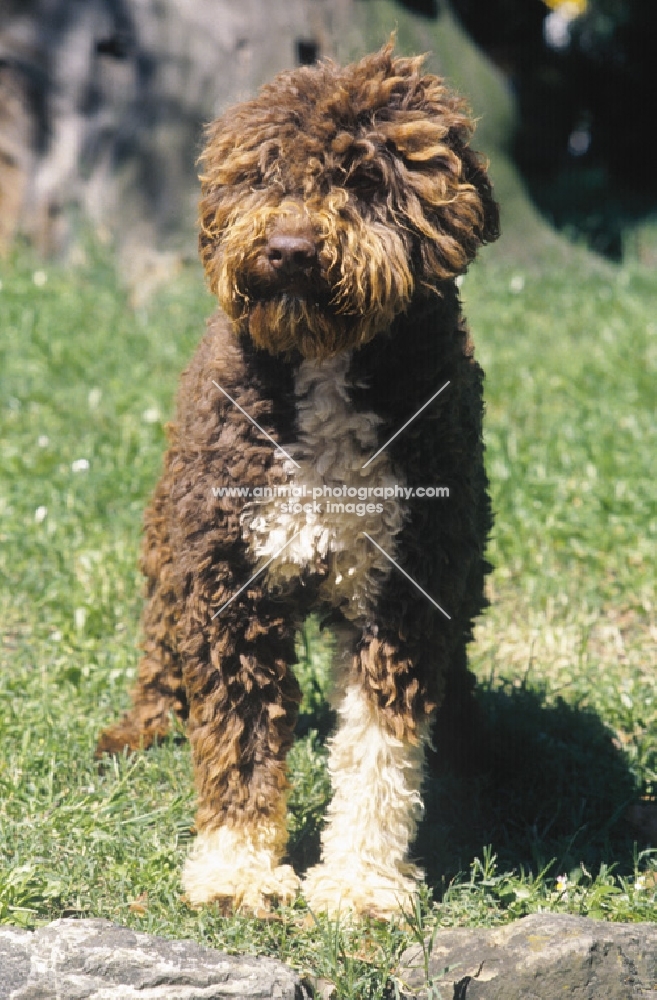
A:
288, 262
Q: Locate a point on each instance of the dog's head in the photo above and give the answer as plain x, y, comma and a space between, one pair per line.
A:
336, 197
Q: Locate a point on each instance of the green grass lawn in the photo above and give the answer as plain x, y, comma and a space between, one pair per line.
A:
555, 812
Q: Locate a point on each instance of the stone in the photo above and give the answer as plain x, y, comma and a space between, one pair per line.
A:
544, 956
98, 960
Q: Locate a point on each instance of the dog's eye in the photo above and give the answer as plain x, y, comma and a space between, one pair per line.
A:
365, 179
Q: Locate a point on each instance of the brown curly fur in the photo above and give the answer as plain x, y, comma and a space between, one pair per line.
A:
367, 171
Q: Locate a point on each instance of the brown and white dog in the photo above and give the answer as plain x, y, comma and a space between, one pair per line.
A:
338, 208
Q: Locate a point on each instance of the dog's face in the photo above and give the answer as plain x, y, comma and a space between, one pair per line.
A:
337, 196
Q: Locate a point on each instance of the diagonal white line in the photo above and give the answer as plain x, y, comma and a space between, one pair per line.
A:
416, 414
275, 555
256, 424
415, 584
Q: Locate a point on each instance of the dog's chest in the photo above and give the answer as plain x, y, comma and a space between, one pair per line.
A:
334, 497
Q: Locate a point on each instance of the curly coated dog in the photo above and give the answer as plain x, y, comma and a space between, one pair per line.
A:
338, 208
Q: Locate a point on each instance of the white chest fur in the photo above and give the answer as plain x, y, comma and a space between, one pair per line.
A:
333, 503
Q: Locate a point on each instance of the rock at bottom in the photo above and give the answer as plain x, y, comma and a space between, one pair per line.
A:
97, 960
541, 957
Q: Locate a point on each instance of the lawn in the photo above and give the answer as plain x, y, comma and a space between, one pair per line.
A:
553, 809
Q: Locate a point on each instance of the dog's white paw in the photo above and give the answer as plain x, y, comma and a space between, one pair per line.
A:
366, 890
233, 868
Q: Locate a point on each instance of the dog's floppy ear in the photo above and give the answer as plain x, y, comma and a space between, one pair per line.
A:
448, 197
475, 173
226, 169
443, 188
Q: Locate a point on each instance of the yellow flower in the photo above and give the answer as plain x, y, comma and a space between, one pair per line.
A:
562, 883
581, 5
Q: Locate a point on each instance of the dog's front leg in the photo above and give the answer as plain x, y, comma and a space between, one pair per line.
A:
376, 765
243, 701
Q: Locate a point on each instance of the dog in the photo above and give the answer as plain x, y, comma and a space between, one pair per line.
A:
326, 457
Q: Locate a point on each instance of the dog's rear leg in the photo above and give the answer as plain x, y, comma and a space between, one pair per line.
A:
159, 690
243, 705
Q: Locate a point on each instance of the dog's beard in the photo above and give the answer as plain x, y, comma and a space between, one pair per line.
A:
361, 281
287, 323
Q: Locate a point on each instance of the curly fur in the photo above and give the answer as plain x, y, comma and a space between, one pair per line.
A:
338, 207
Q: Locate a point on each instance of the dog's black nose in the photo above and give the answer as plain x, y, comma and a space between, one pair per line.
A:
287, 252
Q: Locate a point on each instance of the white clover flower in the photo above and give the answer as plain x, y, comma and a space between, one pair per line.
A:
40, 514
39, 278
151, 416
517, 283
43, 440
94, 398
80, 465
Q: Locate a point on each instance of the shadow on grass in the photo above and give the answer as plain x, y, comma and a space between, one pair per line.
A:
538, 783
535, 782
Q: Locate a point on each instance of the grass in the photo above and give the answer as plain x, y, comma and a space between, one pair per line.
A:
550, 813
